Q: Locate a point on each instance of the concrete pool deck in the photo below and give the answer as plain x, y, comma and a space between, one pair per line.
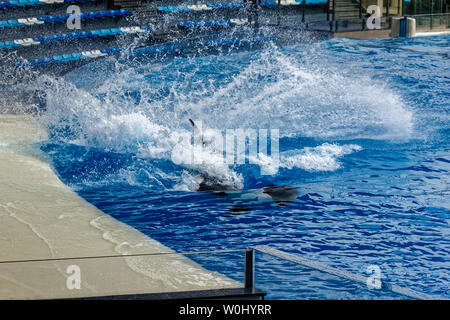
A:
41, 218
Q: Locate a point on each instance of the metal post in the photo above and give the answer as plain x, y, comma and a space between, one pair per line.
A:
328, 10
388, 4
248, 273
303, 11
361, 15
278, 12
334, 10
431, 14
109, 4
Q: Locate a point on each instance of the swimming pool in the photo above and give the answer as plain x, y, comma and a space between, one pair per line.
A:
364, 135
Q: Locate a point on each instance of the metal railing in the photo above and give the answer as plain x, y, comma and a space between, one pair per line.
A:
152, 275
432, 22
101, 269
347, 25
343, 274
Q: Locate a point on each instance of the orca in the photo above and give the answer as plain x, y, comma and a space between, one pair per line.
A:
212, 184
282, 195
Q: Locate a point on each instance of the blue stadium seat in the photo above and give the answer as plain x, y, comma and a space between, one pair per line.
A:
50, 19
46, 60
11, 44
116, 31
272, 3
185, 9
45, 39
61, 18
125, 12
77, 56
36, 62
16, 3
14, 23
85, 35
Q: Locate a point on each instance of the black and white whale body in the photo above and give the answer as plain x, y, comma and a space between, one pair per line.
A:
282, 195
246, 200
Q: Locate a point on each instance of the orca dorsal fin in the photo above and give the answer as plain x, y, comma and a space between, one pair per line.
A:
197, 132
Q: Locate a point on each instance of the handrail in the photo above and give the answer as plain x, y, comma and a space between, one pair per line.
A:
332, 25
249, 267
428, 14
121, 256
343, 274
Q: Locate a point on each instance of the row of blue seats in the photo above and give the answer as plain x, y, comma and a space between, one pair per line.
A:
98, 53
233, 5
211, 23
69, 57
216, 6
173, 48
157, 49
72, 36
238, 41
63, 18
22, 3
199, 24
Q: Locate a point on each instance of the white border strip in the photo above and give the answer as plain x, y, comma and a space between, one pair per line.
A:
343, 274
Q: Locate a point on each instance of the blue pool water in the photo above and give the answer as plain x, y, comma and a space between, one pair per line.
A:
364, 135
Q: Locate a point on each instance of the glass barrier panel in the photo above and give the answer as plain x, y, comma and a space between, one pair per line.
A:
120, 275
286, 280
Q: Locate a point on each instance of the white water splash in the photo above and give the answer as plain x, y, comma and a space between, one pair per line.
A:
321, 158
144, 109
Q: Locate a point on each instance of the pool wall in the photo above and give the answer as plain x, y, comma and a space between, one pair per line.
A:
41, 218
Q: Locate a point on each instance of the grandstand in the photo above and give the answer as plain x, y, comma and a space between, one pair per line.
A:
40, 32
